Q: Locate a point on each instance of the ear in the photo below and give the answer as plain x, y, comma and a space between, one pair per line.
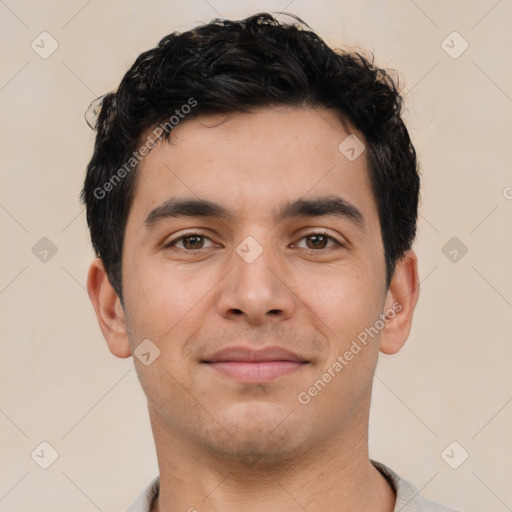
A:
400, 302
109, 310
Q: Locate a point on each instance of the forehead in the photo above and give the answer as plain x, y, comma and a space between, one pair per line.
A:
253, 162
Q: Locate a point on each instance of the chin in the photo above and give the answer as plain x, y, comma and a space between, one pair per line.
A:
243, 450
259, 434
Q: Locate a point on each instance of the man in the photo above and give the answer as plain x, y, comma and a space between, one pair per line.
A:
252, 201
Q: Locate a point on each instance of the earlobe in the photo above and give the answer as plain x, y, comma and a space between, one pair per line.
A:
400, 302
109, 311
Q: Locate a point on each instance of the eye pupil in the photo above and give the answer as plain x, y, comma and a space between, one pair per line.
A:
197, 238
317, 238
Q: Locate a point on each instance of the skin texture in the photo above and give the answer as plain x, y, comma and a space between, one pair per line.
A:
223, 445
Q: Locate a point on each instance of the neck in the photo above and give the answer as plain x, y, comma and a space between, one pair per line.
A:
333, 476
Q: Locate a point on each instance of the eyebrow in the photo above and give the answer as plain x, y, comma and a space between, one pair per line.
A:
328, 206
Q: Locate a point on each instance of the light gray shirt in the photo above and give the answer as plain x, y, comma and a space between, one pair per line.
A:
408, 498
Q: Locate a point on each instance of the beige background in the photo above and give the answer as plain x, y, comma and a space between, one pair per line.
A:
451, 382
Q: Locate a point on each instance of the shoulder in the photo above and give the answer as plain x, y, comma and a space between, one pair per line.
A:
408, 498
144, 500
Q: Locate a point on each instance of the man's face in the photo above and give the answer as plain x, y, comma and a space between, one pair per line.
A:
318, 282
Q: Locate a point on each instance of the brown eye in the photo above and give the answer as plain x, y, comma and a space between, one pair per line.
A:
319, 241
316, 241
192, 242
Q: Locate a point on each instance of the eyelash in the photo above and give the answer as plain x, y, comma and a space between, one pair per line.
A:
317, 232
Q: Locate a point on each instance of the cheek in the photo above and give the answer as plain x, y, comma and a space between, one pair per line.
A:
345, 300
162, 299
348, 306
162, 305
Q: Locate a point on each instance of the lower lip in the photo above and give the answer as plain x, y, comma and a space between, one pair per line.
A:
258, 372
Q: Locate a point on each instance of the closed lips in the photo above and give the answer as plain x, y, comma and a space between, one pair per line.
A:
248, 366
242, 354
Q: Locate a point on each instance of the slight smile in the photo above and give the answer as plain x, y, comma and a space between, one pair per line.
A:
250, 366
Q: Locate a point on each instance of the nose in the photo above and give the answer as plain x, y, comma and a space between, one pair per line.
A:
256, 292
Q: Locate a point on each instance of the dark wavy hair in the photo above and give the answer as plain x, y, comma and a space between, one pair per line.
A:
234, 66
